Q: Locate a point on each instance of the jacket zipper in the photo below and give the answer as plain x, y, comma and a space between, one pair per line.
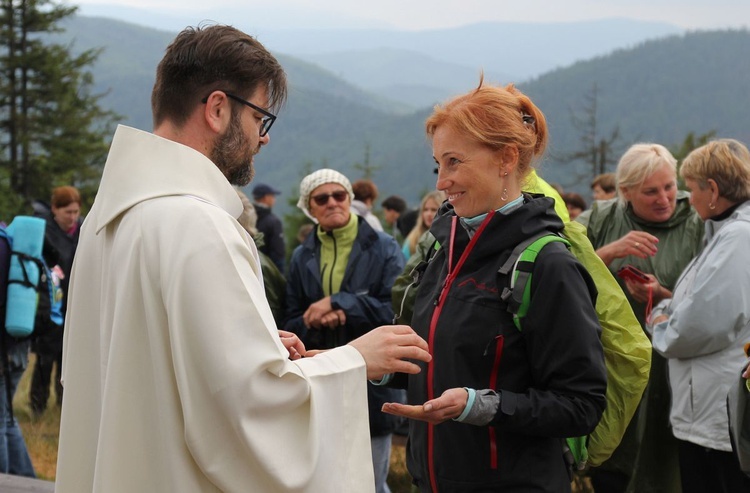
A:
499, 341
333, 265
439, 303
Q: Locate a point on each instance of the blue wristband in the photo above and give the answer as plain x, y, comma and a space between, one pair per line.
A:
383, 381
469, 404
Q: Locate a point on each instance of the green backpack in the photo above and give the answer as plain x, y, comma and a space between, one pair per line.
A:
520, 266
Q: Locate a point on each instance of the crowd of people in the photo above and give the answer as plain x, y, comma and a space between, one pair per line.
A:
203, 353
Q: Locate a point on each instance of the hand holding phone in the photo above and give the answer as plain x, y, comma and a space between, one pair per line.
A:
630, 273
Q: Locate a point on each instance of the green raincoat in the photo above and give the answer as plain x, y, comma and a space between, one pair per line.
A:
648, 453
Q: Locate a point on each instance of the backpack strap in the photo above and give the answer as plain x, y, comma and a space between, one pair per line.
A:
520, 266
23, 260
6, 247
416, 274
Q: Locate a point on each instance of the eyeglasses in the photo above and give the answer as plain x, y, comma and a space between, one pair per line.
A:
266, 121
322, 199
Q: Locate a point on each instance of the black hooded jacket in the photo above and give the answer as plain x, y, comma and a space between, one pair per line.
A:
550, 375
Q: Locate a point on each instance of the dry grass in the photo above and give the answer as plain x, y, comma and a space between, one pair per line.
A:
40, 433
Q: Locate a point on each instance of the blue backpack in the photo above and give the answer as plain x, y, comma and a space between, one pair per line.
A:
30, 296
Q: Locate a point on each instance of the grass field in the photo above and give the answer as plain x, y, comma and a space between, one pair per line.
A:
41, 440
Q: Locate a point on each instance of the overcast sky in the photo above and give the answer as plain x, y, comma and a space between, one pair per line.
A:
427, 14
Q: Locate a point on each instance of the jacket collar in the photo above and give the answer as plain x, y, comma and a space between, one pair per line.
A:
366, 236
741, 212
142, 166
536, 215
682, 212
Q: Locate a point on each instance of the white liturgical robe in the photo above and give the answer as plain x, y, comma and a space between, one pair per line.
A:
175, 378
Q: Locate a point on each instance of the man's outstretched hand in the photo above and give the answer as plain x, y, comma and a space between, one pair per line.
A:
386, 350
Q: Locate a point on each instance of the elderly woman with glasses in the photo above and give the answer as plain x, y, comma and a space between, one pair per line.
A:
339, 287
491, 410
702, 329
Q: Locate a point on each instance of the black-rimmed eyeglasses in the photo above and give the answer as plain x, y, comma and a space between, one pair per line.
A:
268, 117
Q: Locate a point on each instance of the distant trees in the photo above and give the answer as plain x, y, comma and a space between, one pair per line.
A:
690, 142
598, 150
366, 167
52, 130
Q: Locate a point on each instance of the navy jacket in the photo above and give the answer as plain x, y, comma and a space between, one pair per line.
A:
365, 297
273, 235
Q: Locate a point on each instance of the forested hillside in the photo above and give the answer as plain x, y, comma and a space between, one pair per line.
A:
659, 90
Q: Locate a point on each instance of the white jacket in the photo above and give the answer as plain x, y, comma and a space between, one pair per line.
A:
706, 332
175, 378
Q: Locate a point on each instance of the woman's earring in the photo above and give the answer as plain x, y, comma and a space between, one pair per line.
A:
711, 206
504, 196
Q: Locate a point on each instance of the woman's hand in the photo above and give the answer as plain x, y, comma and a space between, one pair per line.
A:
639, 291
315, 312
450, 405
637, 243
333, 319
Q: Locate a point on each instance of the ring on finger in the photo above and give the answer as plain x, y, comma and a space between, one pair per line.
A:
637, 244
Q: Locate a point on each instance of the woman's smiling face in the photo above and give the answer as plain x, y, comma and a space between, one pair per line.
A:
656, 198
469, 173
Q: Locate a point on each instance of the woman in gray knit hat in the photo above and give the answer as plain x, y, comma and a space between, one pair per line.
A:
339, 287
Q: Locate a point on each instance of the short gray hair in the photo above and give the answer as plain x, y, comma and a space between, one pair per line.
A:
727, 162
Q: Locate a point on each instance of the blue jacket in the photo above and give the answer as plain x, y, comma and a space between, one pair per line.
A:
365, 297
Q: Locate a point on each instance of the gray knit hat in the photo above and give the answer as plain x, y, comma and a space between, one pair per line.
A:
316, 179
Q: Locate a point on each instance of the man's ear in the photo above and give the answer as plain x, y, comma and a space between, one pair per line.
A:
217, 111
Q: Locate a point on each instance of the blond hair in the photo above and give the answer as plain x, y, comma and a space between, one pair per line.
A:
638, 163
420, 227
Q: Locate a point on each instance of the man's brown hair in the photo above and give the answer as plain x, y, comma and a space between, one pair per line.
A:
205, 59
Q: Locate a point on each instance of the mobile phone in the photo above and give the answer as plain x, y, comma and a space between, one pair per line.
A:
630, 273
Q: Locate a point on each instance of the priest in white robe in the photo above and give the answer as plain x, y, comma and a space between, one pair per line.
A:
176, 378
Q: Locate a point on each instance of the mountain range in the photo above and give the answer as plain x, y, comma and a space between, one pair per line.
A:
367, 103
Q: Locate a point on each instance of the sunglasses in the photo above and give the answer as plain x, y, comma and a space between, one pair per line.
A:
322, 199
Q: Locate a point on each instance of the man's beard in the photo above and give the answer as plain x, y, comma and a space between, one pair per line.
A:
232, 156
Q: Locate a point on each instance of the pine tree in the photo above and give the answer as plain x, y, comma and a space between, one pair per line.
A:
52, 130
